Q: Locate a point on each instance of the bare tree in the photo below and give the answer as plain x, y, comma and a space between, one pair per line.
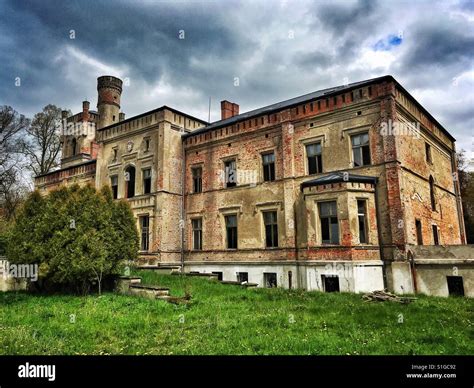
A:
12, 127
42, 145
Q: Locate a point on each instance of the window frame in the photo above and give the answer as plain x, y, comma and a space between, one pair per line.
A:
196, 184
227, 227
328, 217
113, 186
318, 157
268, 167
364, 214
360, 149
146, 180
273, 229
227, 183
196, 231
144, 232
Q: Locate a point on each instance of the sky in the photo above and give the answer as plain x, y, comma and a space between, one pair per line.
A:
254, 53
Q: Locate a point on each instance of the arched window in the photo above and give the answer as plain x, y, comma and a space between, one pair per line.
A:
73, 147
130, 181
432, 194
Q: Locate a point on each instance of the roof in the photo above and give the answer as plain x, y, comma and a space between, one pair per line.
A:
323, 93
337, 177
151, 112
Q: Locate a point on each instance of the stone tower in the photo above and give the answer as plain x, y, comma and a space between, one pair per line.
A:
108, 104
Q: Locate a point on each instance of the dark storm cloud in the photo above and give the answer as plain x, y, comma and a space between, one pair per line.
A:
277, 49
436, 45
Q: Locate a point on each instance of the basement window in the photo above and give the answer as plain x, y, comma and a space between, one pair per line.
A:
330, 283
314, 156
270, 279
455, 285
242, 277
360, 149
329, 222
219, 275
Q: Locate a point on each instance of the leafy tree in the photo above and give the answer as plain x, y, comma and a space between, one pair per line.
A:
77, 235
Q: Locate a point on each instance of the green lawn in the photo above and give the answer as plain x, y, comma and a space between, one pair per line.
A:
226, 319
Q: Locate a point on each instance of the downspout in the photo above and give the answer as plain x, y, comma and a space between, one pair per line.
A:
411, 260
379, 237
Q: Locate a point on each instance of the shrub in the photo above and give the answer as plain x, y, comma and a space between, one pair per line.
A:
77, 235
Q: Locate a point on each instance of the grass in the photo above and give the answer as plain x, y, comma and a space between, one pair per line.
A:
227, 319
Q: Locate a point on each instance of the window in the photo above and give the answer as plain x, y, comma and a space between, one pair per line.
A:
219, 275
147, 145
290, 280
362, 217
242, 277
73, 147
115, 154
428, 152
230, 173
130, 179
144, 228
329, 223
197, 179
419, 232
147, 181
114, 184
271, 229
197, 234
435, 235
455, 285
432, 194
330, 283
268, 161
360, 149
231, 231
270, 279
315, 163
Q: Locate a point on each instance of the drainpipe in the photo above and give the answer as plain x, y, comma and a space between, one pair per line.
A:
411, 260
379, 235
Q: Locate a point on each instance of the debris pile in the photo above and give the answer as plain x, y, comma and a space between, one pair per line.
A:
383, 296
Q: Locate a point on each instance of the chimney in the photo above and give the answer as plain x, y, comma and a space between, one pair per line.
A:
121, 116
228, 109
85, 110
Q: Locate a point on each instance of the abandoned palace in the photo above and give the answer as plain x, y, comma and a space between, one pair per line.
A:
351, 188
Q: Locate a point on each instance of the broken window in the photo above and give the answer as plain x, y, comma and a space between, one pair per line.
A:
147, 181
360, 149
270, 279
219, 275
130, 179
230, 173
242, 277
197, 233
329, 222
231, 231
314, 156
455, 285
419, 232
428, 152
271, 229
197, 179
330, 283
362, 218
432, 194
144, 231
268, 161
114, 184
435, 235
